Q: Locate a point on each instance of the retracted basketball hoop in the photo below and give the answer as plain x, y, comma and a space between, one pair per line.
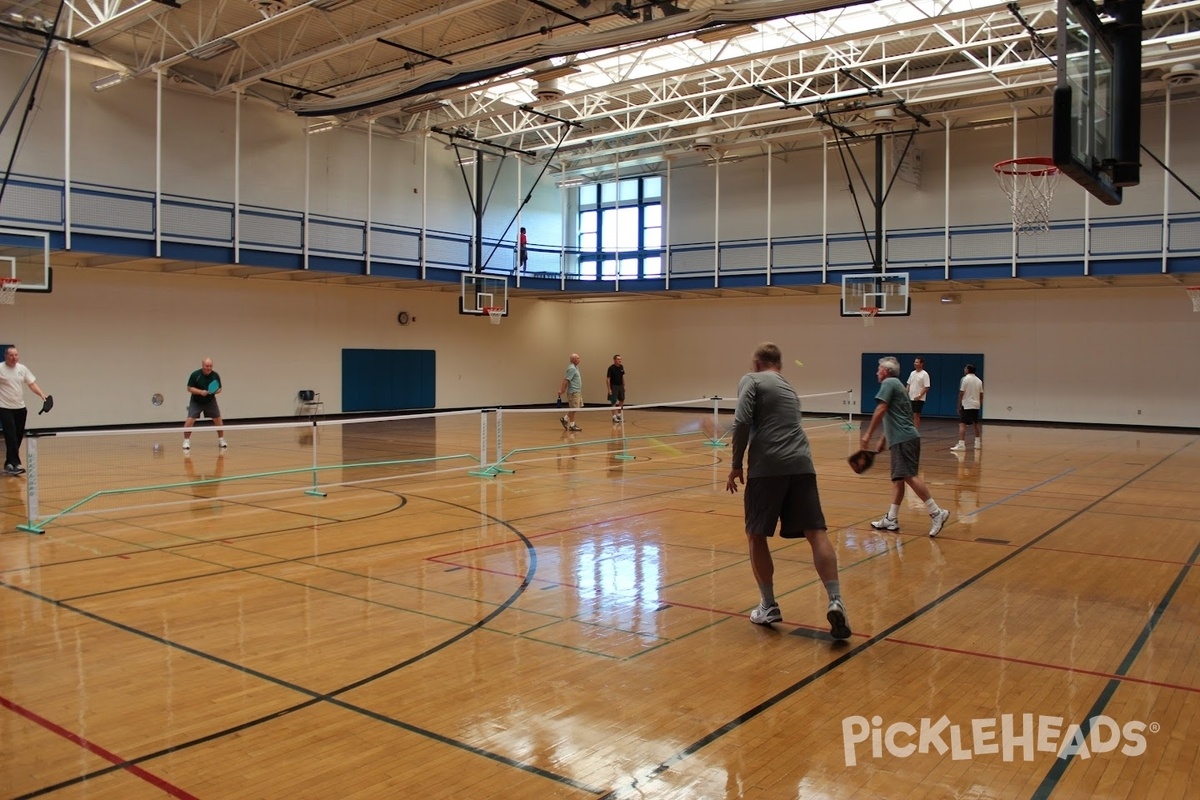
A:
869, 313
495, 313
8, 291
1029, 185
1194, 293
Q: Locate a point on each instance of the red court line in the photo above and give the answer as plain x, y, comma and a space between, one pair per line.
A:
1044, 665
153, 780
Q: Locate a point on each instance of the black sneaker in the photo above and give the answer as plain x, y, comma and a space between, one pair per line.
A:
18, 470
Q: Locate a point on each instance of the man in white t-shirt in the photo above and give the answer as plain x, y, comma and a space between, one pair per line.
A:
918, 387
14, 377
970, 400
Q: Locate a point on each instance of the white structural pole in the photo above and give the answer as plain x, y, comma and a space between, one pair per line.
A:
158, 102
237, 176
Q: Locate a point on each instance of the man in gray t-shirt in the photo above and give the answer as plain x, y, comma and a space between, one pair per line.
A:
782, 485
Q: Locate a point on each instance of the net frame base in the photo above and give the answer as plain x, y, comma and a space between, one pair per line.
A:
1029, 183
8, 291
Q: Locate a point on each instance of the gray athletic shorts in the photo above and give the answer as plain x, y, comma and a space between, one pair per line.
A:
209, 409
906, 459
618, 393
790, 500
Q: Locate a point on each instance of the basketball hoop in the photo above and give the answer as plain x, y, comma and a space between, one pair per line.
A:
1029, 184
1194, 293
869, 313
495, 313
8, 291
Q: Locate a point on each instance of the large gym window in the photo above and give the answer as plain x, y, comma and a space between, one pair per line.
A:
620, 229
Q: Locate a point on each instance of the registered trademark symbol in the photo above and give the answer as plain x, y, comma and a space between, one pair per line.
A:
1155, 727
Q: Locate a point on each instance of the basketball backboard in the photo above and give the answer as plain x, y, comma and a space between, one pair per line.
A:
481, 292
25, 255
886, 292
1097, 101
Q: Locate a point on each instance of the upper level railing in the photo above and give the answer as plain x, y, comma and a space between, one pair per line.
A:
101, 218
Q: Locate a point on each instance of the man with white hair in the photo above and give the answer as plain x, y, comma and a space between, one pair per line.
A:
900, 436
572, 387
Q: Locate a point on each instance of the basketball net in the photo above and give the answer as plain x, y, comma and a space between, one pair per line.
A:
8, 291
496, 314
868, 315
1029, 185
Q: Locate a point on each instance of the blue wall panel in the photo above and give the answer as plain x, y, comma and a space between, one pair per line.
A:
388, 380
945, 371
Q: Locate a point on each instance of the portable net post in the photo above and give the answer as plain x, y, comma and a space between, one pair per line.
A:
315, 491
31, 486
496, 466
714, 440
484, 470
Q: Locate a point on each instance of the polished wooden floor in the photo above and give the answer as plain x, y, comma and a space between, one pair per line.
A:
579, 628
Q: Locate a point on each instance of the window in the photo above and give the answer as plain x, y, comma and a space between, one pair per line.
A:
621, 229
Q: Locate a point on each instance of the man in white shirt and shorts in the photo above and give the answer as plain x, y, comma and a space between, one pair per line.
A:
14, 377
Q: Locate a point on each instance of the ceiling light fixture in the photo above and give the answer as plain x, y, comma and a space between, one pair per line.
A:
425, 105
332, 5
323, 127
1184, 41
213, 49
109, 81
723, 33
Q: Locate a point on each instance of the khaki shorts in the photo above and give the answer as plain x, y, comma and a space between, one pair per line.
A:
574, 399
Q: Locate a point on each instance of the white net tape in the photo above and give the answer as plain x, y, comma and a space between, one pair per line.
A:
1029, 188
8, 292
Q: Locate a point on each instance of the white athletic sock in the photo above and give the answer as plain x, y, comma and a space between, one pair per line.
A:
767, 590
931, 507
833, 588
893, 511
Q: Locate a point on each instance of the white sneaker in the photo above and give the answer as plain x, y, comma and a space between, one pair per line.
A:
187, 445
939, 520
223, 443
886, 524
839, 626
958, 448
979, 444
765, 616
564, 422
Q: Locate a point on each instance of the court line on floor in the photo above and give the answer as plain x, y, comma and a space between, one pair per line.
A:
97, 750
821, 672
1059, 768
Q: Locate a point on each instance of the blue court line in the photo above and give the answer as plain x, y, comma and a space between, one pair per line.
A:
1050, 782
